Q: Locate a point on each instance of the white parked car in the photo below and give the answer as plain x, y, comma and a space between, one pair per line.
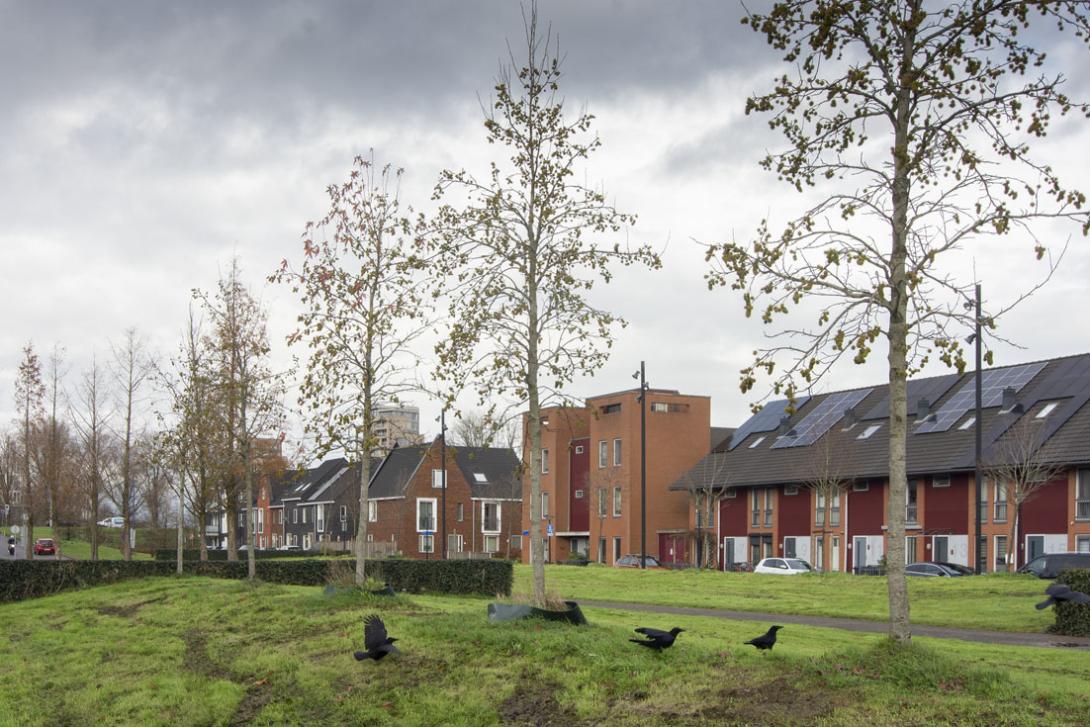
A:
783, 567
113, 522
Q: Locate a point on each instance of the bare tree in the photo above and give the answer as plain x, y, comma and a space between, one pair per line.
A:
362, 286
92, 420
705, 484
519, 259
477, 429
918, 120
1016, 464
131, 368
54, 449
828, 480
28, 401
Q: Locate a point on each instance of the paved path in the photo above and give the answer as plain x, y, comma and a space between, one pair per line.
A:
1008, 638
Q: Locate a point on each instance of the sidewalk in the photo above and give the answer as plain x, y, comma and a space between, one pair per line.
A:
1006, 638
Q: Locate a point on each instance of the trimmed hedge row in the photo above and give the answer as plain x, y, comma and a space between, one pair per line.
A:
21, 579
188, 554
1073, 619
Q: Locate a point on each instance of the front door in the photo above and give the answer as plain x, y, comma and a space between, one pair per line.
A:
860, 552
940, 550
1035, 546
789, 548
728, 553
754, 549
834, 557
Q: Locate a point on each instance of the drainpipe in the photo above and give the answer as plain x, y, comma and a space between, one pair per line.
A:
847, 537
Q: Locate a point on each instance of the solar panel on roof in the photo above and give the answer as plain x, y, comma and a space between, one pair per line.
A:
992, 385
932, 389
766, 420
822, 418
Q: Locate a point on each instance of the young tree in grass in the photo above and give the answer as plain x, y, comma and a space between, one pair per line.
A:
132, 367
54, 451
251, 391
705, 484
29, 392
1017, 464
362, 285
828, 480
91, 414
918, 121
519, 252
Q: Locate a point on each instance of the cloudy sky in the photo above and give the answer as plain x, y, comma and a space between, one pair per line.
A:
142, 144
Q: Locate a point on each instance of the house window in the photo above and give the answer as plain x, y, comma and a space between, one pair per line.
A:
426, 543
755, 519
579, 449
490, 520
940, 481
730, 492
1000, 503
437, 479
304, 516
819, 510
834, 513
260, 521
616, 549
460, 512
1082, 544
601, 550
603, 454
425, 515
791, 490
860, 486
1082, 495
910, 549
242, 519
279, 517
769, 494
610, 408
659, 406
982, 489
544, 504
910, 503
480, 478
578, 494
372, 511
757, 441
370, 537
544, 461
616, 502
1047, 409
871, 429
319, 512
516, 542
616, 453
602, 510
1000, 551
967, 423
491, 543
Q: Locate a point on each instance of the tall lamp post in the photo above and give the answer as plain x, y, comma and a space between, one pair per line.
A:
643, 464
977, 474
443, 475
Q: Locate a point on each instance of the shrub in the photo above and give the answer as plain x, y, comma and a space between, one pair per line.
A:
1073, 619
188, 554
20, 579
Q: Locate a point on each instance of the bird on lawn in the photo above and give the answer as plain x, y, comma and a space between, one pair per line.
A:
1058, 592
386, 590
657, 640
767, 641
375, 640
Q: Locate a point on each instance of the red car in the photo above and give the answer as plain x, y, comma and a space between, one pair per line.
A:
45, 546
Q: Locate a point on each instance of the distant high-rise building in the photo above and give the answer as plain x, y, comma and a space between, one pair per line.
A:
398, 425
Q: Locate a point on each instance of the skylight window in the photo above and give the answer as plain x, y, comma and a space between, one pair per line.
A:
757, 441
1047, 409
865, 434
480, 477
968, 423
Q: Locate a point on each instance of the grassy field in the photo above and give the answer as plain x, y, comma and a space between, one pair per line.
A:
996, 602
81, 549
197, 651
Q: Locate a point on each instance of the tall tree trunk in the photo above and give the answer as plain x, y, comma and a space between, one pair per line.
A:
181, 524
28, 500
232, 528
248, 474
126, 476
537, 541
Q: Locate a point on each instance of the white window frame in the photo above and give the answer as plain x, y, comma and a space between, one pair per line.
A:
544, 505
1079, 540
544, 461
603, 506
603, 454
617, 554
261, 520
460, 512
791, 489
372, 511
617, 501
1047, 409
995, 551
617, 452
967, 424
495, 538
1082, 493
319, 517
437, 479
757, 441
660, 406
499, 517
304, 516
425, 543
579, 449
434, 514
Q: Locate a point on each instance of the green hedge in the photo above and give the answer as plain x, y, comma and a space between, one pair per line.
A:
20, 579
171, 554
1073, 619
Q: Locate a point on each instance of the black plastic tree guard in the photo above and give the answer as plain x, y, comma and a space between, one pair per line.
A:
514, 612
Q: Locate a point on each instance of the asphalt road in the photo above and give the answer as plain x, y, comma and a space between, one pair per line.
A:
20, 552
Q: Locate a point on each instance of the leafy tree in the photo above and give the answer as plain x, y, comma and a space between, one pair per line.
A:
517, 249
29, 392
362, 286
918, 122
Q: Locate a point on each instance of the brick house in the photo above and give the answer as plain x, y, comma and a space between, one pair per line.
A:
483, 502
766, 472
304, 507
591, 482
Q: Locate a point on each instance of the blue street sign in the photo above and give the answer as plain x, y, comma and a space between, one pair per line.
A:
525, 532
549, 530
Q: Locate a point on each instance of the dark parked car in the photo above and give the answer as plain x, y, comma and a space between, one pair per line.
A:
934, 570
961, 569
1050, 565
633, 561
45, 546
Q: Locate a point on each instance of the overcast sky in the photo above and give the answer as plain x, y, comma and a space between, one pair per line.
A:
142, 144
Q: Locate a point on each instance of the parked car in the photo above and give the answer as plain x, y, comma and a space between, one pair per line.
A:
783, 567
633, 561
961, 569
45, 546
113, 522
932, 570
289, 547
1050, 565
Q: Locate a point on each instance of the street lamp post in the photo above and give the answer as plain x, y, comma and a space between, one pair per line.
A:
643, 466
977, 481
443, 475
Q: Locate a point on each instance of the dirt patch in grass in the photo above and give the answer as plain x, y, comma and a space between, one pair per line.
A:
128, 610
258, 694
534, 703
196, 656
776, 702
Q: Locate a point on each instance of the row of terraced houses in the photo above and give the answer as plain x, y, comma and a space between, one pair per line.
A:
761, 480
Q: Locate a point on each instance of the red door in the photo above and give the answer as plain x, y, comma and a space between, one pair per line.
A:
672, 548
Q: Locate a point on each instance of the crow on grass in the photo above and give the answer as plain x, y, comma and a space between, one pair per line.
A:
375, 640
767, 641
1058, 592
657, 640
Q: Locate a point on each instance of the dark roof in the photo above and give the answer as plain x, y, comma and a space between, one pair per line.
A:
1065, 432
347, 481
397, 470
492, 472
720, 437
301, 486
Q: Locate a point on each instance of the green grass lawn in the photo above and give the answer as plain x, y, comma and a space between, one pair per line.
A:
195, 651
81, 549
995, 602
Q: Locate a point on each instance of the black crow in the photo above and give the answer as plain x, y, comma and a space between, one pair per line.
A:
375, 640
767, 641
657, 640
1059, 592
386, 590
